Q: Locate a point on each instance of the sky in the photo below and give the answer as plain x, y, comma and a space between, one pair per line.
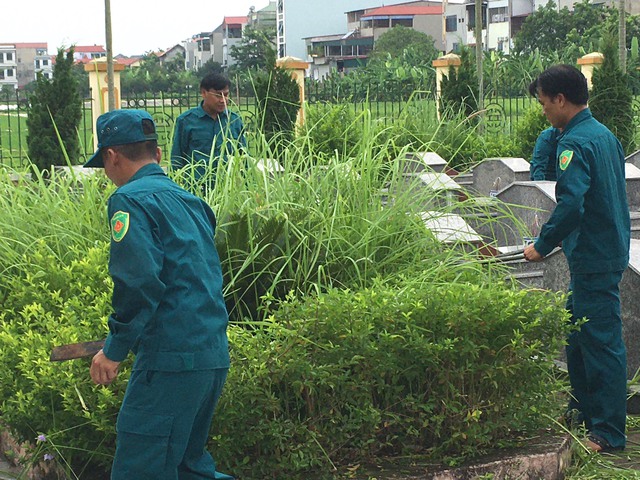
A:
138, 26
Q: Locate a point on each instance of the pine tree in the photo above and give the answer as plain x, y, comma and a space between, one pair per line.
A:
459, 90
54, 116
278, 98
611, 100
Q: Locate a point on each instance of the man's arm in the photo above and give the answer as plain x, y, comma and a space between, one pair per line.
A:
135, 265
178, 151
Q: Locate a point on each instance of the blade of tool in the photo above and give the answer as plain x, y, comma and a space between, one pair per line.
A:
75, 350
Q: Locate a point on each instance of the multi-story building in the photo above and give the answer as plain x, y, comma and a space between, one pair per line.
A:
82, 53
198, 50
226, 35
20, 63
301, 19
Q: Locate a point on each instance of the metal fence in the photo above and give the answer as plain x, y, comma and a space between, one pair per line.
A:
386, 102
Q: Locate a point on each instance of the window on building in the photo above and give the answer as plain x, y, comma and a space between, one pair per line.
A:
381, 23
235, 32
9, 57
364, 49
451, 23
347, 50
37, 64
45, 63
353, 17
1, 74
498, 15
366, 24
1, 57
335, 50
404, 22
10, 72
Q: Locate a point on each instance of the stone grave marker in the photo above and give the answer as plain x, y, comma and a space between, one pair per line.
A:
495, 174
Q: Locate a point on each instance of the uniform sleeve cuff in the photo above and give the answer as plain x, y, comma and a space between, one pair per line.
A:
113, 350
542, 247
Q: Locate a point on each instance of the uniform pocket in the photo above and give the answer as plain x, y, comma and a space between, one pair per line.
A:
142, 445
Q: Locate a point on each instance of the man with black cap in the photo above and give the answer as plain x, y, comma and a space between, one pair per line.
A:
168, 309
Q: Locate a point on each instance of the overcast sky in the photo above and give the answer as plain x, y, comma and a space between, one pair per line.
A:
138, 26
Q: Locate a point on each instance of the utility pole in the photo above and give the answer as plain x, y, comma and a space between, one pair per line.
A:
478, 32
110, 72
622, 34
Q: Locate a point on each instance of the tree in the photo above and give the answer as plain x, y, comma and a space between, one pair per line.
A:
545, 29
401, 41
54, 117
459, 90
256, 49
278, 99
611, 100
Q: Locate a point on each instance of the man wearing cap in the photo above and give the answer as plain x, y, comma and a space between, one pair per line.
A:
209, 132
168, 309
591, 220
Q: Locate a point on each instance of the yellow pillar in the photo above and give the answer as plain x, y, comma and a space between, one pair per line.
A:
588, 63
442, 65
298, 69
98, 82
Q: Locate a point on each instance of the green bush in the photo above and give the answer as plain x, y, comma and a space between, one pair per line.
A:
58, 303
528, 130
431, 368
331, 128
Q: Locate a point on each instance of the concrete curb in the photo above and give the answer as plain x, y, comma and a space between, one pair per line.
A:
547, 460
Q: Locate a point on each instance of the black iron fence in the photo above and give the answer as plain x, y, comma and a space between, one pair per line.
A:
384, 101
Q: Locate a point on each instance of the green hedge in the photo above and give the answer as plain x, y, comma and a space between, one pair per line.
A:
441, 368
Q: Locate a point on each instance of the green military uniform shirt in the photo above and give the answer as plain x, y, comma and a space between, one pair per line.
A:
591, 217
167, 300
199, 138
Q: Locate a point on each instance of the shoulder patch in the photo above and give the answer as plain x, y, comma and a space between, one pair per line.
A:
565, 159
119, 225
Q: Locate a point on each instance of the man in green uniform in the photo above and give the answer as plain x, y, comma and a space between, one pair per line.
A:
543, 162
168, 309
591, 220
209, 132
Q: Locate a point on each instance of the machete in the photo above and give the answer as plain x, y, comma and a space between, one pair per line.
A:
75, 350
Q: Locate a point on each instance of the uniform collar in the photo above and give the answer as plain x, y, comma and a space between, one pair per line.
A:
579, 117
149, 169
203, 113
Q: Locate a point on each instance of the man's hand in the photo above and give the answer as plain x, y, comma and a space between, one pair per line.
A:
531, 254
103, 370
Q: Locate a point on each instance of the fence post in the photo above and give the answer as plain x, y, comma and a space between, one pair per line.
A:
99, 85
588, 63
298, 68
442, 65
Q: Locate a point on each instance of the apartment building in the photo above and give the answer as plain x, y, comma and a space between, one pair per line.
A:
20, 63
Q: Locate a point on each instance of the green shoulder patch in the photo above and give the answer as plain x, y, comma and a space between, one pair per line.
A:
565, 159
119, 225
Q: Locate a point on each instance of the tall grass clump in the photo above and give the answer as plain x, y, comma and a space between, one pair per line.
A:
355, 332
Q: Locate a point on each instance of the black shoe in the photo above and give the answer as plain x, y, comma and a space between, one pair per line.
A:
597, 444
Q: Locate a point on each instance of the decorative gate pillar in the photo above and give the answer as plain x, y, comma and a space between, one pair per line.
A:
98, 82
588, 63
298, 68
442, 65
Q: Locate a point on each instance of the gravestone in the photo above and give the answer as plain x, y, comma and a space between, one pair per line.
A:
634, 159
433, 189
416, 162
632, 174
451, 229
495, 174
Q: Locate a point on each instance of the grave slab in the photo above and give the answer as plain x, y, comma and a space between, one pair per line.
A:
415, 162
495, 174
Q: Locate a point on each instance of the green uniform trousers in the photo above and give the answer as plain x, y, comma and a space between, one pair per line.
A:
163, 426
596, 355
